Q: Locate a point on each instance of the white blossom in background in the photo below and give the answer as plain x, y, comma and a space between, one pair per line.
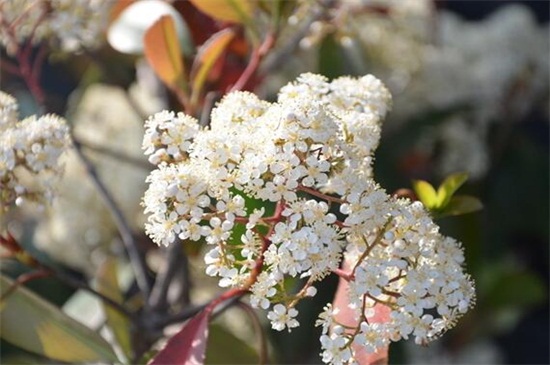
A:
69, 25
483, 74
29, 154
286, 189
488, 73
379, 31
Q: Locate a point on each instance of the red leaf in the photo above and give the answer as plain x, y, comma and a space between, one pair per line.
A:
162, 50
206, 58
188, 346
118, 7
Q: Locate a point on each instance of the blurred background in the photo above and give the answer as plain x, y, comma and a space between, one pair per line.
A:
470, 81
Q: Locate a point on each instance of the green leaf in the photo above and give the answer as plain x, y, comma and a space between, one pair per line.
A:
107, 284
162, 50
29, 322
446, 190
460, 204
442, 203
426, 193
207, 56
225, 348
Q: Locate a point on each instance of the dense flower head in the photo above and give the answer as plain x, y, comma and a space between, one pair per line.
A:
285, 190
29, 154
69, 24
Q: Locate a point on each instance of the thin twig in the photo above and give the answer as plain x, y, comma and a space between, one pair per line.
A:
136, 259
135, 106
115, 154
224, 300
78, 284
37, 63
24, 279
226, 305
185, 297
278, 58
318, 194
180, 316
44, 270
158, 299
27, 74
254, 62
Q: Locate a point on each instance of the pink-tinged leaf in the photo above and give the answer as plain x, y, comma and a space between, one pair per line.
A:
188, 346
346, 315
207, 56
162, 50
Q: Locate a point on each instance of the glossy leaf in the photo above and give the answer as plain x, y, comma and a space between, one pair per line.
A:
207, 56
235, 11
107, 284
447, 189
442, 203
30, 322
426, 193
125, 34
162, 50
188, 346
460, 204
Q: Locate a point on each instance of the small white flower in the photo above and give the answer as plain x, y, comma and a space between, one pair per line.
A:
282, 318
311, 291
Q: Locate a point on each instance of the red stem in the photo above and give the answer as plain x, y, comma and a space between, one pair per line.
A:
23, 279
320, 195
254, 63
28, 71
234, 292
29, 77
37, 64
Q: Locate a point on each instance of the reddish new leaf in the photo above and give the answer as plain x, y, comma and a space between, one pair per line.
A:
208, 54
162, 50
236, 11
118, 7
188, 346
346, 315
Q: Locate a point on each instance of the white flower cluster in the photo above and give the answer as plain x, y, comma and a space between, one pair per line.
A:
380, 30
282, 189
29, 148
408, 266
69, 24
